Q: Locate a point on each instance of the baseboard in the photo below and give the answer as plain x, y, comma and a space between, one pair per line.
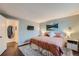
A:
23, 44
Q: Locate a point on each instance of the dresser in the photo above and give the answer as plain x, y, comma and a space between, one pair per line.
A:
73, 45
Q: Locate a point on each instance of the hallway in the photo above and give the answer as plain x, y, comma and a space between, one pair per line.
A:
12, 50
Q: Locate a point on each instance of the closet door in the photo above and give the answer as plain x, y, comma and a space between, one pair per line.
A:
2, 36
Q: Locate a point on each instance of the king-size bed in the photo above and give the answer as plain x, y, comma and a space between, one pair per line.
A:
48, 45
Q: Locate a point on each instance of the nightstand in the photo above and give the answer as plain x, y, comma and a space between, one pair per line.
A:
73, 45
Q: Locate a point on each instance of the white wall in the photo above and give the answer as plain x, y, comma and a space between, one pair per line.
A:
22, 33
4, 23
3, 40
14, 23
64, 23
25, 34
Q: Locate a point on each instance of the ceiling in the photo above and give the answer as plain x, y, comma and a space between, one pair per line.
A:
40, 12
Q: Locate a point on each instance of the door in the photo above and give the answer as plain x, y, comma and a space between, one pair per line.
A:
3, 44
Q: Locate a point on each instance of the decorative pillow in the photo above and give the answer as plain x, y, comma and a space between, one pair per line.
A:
46, 34
58, 34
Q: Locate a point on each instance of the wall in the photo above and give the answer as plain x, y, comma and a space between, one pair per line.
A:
14, 23
25, 34
64, 24
4, 23
3, 40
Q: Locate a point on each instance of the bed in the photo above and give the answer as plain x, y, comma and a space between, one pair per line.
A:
48, 45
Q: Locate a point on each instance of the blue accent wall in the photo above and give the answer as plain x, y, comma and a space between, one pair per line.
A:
25, 34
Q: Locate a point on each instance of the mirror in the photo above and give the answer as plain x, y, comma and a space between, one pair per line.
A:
10, 32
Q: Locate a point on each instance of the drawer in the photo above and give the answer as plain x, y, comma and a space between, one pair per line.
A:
73, 42
72, 46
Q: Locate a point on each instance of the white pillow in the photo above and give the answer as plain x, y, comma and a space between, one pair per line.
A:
52, 34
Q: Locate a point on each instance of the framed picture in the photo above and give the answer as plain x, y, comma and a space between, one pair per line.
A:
29, 27
53, 27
